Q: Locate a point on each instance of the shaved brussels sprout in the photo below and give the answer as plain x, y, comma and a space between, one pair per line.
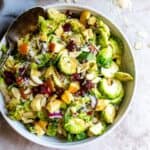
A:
111, 88
75, 126
11, 105
52, 72
109, 113
97, 129
104, 57
96, 93
58, 44
76, 25
43, 59
55, 15
123, 76
46, 26
117, 47
52, 129
104, 31
110, 72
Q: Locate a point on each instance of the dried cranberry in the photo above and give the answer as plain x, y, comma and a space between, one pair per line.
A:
70, 14
22, 71
88, 85
9, 77
90, 112
67, 27
35, 90
43, 89
76, 77
71, 46
80, 92
59, 91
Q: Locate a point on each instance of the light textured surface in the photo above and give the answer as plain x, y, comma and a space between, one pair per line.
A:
134, 131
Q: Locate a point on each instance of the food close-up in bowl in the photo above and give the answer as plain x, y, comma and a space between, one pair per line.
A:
66, 78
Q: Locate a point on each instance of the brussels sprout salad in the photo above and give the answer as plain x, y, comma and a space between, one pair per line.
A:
65, 79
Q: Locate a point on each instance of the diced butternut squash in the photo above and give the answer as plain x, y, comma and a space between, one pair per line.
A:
42, 124
74, 87
38, 129
67, 97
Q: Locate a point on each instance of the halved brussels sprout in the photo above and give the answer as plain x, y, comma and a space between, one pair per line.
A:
116, 45
111, 88
109, 72
96, 93
96, 129
75, 126
101, 104
123, 76
118, 99
109, 113
104, 57
46, 26
67, 64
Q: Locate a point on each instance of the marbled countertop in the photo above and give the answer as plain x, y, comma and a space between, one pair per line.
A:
134, 131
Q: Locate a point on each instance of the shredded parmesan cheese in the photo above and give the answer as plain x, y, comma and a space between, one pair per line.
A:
124, 3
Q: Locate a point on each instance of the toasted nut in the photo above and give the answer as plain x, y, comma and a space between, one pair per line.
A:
54, 106
38, 102
16, 93
35, 76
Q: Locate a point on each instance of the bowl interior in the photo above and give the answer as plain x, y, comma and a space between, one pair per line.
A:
128, 65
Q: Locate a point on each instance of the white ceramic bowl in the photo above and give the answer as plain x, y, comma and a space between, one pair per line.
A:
129, 66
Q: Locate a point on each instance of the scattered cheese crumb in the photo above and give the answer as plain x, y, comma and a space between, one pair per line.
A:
138, 45
126, 21
142, 34
124, 3
67, 1
75, 1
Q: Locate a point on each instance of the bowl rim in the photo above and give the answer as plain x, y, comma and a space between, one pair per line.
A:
92, 140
